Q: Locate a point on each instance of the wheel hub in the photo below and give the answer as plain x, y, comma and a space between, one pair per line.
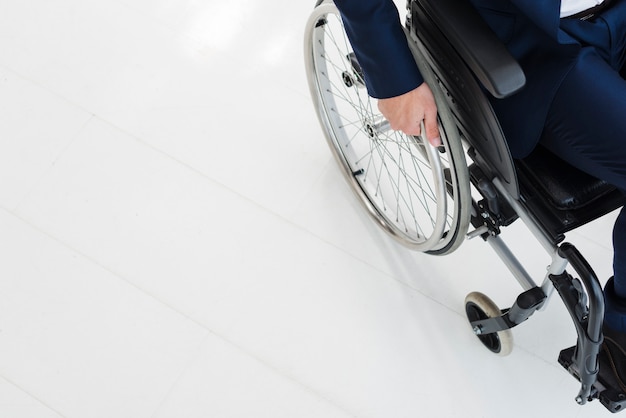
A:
347, 78
375, 127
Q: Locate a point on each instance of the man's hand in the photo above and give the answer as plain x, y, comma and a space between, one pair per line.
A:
406, 112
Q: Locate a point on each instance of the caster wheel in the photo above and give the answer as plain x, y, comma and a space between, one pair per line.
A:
478, 306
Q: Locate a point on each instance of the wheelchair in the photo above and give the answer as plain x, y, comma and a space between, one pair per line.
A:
431, 199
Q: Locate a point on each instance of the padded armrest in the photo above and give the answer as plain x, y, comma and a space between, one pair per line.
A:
477, 44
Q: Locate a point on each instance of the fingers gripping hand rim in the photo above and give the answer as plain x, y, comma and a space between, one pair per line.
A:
409, 111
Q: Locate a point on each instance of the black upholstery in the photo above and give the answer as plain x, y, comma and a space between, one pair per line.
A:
559, 196
563, 185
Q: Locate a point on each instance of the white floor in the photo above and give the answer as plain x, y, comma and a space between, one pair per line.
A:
175, 240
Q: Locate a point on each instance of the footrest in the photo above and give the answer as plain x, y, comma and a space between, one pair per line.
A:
606, 388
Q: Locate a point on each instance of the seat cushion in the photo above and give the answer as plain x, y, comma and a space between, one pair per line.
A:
564, 186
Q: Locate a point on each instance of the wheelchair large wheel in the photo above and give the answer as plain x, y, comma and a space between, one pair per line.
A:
417, 193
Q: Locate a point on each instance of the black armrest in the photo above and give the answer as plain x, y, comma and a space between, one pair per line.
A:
477, 45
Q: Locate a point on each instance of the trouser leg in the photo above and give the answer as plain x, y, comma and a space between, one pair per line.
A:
586, 127
619, 256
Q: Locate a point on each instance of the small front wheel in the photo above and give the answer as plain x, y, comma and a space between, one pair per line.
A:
478, 307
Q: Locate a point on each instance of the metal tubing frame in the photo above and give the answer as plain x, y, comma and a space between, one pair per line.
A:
589, 326
557, 264
589, 329
512, 263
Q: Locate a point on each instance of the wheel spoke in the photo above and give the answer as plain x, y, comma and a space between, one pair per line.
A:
392, 173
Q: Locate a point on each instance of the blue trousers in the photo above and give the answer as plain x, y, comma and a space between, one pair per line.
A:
586, 125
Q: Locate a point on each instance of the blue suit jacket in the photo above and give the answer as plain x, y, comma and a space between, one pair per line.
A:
529, 28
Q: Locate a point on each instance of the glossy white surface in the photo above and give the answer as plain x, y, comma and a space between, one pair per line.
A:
177, 242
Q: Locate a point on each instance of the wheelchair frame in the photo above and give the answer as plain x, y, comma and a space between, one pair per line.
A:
456, 51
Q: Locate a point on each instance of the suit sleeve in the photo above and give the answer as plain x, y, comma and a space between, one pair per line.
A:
380, 45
